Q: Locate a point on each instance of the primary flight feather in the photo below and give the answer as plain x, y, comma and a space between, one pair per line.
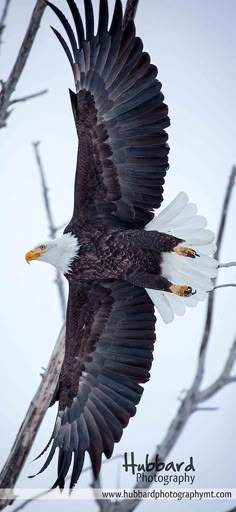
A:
119, 259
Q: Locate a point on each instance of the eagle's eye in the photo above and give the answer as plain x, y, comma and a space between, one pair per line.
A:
42, 247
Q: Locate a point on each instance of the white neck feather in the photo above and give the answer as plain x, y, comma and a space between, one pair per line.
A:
61, 252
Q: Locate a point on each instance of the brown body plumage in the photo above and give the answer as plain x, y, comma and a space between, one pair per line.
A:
117, 254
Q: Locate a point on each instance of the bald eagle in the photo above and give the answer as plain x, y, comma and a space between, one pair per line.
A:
117, 256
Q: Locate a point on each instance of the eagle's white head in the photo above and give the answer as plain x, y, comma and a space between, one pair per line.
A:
59, 252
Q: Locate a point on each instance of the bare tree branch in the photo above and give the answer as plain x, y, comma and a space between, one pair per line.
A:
211, 298
223, 379
31, 423
227, 285
130, 11
44, 394
225, 210
44, 190
206, 409
227, 265
3, 19
52, 228
10, 85
28, 97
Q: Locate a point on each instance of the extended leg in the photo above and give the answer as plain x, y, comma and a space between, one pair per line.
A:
157, 241
152, 240
158, 282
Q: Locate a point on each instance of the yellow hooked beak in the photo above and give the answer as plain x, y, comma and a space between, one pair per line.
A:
33, 255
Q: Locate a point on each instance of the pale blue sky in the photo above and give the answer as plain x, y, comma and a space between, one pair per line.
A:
193, 44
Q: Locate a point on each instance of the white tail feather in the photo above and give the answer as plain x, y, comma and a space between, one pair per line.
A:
180, 219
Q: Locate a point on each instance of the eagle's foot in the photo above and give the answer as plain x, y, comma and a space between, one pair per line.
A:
181, 291
181, 250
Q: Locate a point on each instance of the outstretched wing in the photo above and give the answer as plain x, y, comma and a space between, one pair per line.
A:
120, 119
109, 345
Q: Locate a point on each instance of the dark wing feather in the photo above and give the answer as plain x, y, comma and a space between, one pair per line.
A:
78, 21
120, 119
109, 345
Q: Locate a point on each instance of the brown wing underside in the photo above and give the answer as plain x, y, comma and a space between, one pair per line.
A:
109, 345
120, 119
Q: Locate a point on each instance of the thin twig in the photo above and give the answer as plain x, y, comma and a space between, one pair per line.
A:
227, 265
224, 214
3, 19
32, 422
223, 380
28, 97
51, 224
44, 189
211, 297
130, 11
227, 285
10, 84
206, 409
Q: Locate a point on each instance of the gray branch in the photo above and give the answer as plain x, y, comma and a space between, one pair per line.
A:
211, 298
28, 97
9, 86
227, 265
224, 378
3, 19
227, 285
51, 224
44, 394
31, 423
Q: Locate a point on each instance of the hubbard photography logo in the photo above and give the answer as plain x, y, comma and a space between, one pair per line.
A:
155, 470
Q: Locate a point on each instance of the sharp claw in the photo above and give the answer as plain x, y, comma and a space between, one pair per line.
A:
188, 291
195, 291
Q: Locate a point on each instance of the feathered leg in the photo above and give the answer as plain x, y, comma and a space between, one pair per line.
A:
153, 240
159, 241
158, 282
